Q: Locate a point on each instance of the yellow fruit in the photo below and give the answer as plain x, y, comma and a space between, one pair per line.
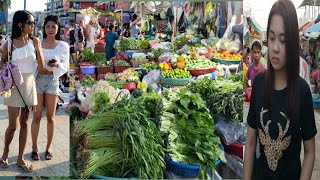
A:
161, 65
166, 66
180, 65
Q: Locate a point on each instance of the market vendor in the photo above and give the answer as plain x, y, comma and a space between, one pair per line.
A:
255, 67
109, 40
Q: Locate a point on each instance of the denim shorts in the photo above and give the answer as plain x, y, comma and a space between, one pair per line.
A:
46, 84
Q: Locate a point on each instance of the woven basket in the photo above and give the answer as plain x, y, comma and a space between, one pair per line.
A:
174, 81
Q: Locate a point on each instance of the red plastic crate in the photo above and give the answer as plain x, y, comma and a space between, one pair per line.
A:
234, 149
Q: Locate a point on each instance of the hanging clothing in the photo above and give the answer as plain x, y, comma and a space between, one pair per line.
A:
110, 39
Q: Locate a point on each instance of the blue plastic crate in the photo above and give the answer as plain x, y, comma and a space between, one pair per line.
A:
316, 103
186, 170
88, 69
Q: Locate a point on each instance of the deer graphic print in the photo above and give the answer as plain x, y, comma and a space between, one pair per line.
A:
273, 148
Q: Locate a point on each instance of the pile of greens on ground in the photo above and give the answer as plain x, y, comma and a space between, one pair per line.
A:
189, 128
121, 141
223, 97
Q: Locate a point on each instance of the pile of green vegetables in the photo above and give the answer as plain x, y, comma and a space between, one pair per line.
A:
199, 63
223, 97
131, 44
149, 66
189, 127
180, 41
121, 63
87, 81
88, 56
238, 77
121, 141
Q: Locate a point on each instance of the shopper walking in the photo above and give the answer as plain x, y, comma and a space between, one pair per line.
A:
27, 55
92, 36
56, 57
110, 39
281, 115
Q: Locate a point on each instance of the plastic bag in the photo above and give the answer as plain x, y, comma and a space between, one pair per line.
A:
183, 50
138, 55
167, 46
152, 77
232, 133
183, 23
165, 58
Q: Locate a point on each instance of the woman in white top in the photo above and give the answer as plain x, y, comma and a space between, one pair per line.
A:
92, 33
56, 57
27, 55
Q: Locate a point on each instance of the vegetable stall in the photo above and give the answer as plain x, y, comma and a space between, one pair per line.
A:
159, 109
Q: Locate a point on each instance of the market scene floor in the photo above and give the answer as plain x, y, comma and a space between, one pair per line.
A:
58, 166
316, 169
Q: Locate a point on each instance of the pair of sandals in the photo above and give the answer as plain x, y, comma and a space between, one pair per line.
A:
26, 167
35, 155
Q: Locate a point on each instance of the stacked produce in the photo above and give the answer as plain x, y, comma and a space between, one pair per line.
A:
223, 97
121, 63
131, 44
87, 81
100, 86
149, 66
121, 141
189, 127
176, 73
198, 62
226, 55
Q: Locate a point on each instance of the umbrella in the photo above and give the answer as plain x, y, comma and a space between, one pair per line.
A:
313, 28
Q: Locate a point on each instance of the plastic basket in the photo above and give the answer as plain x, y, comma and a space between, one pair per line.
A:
105, 70
174, 81
119, 69
198, 72
225, 61
316, 103
88, 69
235, 149
185, 169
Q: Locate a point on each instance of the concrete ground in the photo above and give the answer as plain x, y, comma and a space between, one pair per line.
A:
58, 166
316, 169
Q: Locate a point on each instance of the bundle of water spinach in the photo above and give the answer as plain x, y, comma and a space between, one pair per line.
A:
121, 142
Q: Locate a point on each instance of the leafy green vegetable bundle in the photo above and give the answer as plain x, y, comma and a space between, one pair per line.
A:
223, 97
189, 127
121, 141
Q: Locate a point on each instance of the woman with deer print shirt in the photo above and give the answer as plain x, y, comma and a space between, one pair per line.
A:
281, 112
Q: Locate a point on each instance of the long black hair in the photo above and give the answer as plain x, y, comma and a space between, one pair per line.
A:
54, 19
286, 10
19, 17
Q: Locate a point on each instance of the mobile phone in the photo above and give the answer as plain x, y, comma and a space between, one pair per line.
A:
52, 61
30, 36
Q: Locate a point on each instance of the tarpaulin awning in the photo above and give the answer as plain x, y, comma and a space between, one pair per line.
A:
309, 3
313, 28
305, 26
149, 7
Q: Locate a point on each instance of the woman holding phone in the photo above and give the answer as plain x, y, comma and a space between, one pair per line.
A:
56, 57
281, 114
27, 55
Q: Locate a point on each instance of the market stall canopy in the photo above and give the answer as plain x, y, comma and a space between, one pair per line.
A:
312, 35
309, 3
149, 7
313, 28
89, 11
